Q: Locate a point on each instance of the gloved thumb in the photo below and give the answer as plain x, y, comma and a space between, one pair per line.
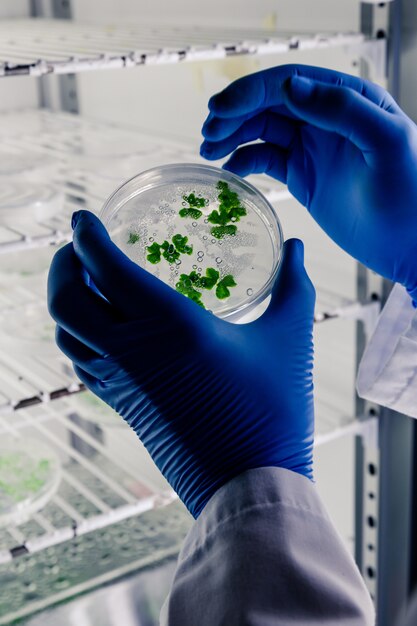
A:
339, 109
293, 294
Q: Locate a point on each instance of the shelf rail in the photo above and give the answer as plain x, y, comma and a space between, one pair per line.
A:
38, 46
97, 479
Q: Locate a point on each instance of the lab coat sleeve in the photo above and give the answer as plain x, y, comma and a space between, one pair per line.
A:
388, 370
264, 553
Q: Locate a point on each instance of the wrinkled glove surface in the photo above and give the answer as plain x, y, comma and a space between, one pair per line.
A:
209, 399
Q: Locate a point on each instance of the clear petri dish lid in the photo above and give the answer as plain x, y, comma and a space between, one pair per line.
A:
30, 324
29, 262
93, 142
26, 201
30, 473
20, 163
206, 232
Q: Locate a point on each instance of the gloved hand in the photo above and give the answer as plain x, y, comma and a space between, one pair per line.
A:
344, 148
209, 399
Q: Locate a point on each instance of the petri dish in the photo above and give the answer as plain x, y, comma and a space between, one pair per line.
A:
23, 202
25, 164
206, 232
30, 324
30, 473
28, 263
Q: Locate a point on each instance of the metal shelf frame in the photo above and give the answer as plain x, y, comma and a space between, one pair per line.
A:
90, 473
385, 465
38, 46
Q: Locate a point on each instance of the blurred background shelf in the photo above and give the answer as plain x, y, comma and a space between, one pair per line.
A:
106, 474
37, 47
104, 479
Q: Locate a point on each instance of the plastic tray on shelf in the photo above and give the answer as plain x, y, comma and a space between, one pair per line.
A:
101, 479
30, 473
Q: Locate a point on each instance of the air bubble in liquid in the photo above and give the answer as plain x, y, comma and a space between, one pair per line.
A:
205, 237
177, 262
200, 253
213, 241
218, 260
206, 221
151, 239
200, 270
194, 267
249, 291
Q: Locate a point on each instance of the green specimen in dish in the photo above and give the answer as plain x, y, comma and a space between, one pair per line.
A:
186, 287
19, 478
221, 231
222, 289
193, 213
195, 201
154, 253
230, 210
190, 283
195, 204
219, 217
133, 238
180, 243
205, 282
170, 251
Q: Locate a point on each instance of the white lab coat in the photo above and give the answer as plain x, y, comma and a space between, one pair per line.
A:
263, 551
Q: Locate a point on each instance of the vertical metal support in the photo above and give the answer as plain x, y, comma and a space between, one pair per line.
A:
374, 24
56, 92
374, 19
397, 449
367, 458
384, 476
384, 520
394, 515
61, 9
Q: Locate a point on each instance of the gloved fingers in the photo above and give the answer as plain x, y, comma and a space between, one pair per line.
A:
75, 307
293, 294
341, 110
133, 291
264, 90
90, 381
80, 354
217, 128
267, 126
259, 158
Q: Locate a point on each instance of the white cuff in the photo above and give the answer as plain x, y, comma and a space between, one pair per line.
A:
388, 371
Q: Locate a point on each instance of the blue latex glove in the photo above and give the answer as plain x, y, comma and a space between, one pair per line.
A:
209, 399
344, 148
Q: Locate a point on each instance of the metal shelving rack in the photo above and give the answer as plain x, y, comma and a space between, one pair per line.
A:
42, 388
97, 488
39, 47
